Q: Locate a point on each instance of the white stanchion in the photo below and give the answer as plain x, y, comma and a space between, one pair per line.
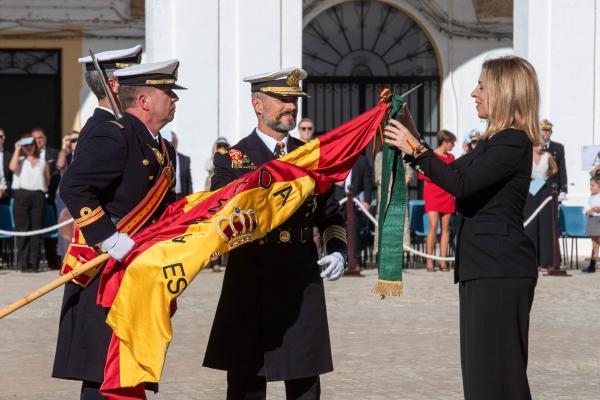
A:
420, 253
39, 231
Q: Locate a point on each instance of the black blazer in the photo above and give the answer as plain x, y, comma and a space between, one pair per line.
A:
490, 185
362, 178
558, 153
51, 157
184, 174
7, 176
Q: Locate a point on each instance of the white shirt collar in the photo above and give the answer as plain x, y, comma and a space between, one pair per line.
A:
106, 109
155, 137
271, 142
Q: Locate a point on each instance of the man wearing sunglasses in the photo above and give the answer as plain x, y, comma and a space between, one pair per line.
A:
306, 127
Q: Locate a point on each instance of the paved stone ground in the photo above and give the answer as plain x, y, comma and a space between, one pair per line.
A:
399, 348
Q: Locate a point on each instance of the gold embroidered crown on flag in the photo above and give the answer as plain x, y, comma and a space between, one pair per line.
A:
239, 227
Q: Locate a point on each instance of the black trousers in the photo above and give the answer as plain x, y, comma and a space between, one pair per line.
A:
29, 210
494, 333
91, 391
51, 245
251, 387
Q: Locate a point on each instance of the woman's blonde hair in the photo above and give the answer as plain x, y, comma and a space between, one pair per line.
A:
513, 96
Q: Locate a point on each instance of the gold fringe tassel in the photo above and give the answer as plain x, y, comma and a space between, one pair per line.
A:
388, 288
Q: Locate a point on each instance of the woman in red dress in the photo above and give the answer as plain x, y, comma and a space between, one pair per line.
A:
439, 204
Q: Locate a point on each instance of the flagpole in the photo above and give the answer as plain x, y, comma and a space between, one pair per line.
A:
36, 294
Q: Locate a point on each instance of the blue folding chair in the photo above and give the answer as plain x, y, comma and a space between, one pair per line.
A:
573, 227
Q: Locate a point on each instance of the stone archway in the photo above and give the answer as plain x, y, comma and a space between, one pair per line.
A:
353, 49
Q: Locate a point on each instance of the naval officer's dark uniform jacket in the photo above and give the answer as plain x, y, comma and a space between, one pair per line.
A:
495, 261
271, 318
99, 116
114, 168
557, 151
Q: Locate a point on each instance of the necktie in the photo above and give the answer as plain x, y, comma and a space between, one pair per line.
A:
279, 149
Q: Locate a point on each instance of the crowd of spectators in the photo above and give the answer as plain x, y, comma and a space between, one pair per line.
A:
30, 175
29, 181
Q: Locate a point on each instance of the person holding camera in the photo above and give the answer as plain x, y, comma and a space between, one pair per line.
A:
69, 143
31, 177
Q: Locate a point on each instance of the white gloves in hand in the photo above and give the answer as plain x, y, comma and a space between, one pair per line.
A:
562, 196
118, 245
334, 265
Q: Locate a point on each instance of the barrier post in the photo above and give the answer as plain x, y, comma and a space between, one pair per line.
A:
353, 267
555, 270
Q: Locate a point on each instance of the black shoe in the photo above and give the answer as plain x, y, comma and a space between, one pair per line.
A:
590, 268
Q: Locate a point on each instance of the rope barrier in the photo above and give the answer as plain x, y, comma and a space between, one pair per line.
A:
37, 232
342, 201
430, 256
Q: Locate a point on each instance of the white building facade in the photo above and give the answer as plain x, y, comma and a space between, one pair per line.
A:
343, 44
221, 41
562, 40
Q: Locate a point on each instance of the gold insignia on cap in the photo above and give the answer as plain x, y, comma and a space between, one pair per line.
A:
160, 81
546, 125
123, 65
293, 79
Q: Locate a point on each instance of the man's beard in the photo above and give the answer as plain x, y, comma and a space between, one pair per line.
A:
277, 125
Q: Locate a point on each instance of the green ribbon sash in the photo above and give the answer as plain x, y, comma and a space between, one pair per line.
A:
391, 215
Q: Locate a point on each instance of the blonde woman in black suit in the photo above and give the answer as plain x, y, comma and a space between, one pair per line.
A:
495, 261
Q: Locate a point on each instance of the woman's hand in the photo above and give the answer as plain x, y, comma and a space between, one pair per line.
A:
398, 136
66, 143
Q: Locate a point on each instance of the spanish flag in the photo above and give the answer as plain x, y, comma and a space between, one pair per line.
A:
171, 252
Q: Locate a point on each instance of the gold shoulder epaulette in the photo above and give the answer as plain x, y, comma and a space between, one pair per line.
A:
222, 151
117, 123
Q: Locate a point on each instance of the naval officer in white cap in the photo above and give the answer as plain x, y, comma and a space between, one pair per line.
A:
115, 167
109, 62
271, 321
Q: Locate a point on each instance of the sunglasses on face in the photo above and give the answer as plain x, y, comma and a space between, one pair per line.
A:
74, 140
306, 128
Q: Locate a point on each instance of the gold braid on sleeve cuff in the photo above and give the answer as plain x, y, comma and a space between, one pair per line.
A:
334, 232
88, 216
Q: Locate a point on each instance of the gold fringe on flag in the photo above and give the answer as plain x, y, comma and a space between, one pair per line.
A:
388, 288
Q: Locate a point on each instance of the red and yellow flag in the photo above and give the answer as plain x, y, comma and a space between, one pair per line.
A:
170, 253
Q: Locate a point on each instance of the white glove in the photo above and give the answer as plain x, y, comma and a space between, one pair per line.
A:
334, 265
562, 196
118, 245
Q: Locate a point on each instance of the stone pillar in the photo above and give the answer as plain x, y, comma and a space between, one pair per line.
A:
560, 39
218, 43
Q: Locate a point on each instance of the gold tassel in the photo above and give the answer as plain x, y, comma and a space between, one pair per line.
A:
388, 288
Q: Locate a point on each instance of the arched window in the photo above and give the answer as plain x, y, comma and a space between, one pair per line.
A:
356, 48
